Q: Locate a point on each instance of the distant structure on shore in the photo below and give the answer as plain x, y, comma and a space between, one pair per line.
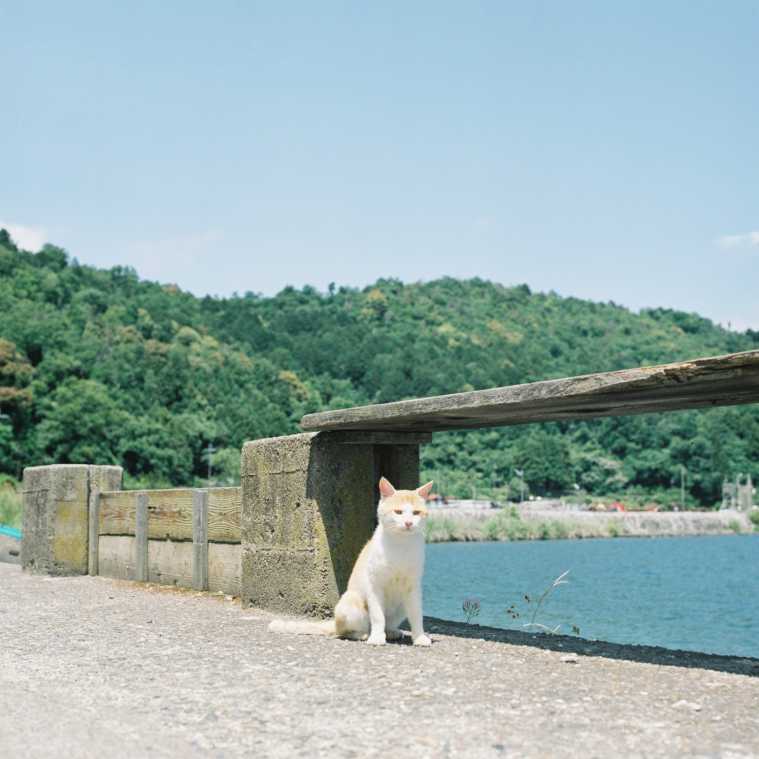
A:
738, 495
439, 502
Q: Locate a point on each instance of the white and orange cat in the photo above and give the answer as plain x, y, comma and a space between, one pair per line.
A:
385, 586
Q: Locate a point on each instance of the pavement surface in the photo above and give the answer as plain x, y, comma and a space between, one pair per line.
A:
91, 667
10, 549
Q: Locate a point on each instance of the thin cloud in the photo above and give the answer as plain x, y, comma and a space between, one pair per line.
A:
749, 240
28, 238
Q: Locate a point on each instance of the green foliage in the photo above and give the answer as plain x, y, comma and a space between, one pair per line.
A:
99, 366
753, 515
10, 502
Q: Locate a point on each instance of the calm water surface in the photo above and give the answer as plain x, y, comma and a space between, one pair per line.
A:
697, 593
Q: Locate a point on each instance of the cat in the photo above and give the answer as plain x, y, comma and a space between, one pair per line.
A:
385, 586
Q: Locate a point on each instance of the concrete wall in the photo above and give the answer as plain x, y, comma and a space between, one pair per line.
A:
286, 540
77, 520
56, 515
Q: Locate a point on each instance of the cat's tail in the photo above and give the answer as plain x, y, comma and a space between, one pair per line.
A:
304, 626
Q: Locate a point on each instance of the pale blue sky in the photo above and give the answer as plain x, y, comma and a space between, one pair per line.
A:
608, 150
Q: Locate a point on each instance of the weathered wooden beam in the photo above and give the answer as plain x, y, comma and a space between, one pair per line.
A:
141, 538
200, 540
379, 437
171, 514
702, 383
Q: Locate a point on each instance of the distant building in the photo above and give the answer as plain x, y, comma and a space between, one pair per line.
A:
738, 495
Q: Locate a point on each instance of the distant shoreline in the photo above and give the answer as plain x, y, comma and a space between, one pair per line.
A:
457, 525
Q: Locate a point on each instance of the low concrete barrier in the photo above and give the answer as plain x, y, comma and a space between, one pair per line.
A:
78, 521
183, 536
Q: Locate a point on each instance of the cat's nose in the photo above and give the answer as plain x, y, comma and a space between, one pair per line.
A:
409, 525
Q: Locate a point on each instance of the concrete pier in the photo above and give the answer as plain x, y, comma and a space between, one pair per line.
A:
57, 502
308, 506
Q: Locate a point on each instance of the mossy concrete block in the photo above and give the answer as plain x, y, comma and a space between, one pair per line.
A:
56, 515
308, 507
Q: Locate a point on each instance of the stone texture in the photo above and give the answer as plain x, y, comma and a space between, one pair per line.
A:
92, 668
308, 507
56, 515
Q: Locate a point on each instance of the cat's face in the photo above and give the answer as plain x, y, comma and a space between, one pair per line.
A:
402, 511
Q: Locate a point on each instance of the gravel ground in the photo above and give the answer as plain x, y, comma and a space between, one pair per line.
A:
91, 667
10, 550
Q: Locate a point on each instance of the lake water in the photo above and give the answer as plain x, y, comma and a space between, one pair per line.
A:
696, 593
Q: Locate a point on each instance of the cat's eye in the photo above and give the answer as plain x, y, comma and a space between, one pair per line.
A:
416, 513
398, 511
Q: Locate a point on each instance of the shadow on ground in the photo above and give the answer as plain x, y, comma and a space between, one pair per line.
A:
740, 665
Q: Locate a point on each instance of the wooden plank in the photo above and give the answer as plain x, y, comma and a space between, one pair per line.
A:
224, 506
224, 568
141, 538
200, 540
116, 556
92, 538
171, 514
171, 563
705, 382
379, 437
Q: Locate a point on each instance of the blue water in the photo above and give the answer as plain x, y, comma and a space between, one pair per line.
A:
10, 531
695, 593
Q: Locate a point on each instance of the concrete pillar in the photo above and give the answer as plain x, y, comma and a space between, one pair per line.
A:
308, 507
56, 515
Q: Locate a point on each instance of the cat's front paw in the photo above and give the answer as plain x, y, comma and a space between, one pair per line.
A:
376, 639
422, 640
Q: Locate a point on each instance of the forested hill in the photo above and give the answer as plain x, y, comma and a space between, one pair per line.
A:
99, 366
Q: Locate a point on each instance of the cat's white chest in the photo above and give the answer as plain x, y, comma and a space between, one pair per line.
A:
398, 585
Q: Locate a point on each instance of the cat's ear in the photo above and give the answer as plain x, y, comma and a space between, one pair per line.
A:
385, 488
424, 490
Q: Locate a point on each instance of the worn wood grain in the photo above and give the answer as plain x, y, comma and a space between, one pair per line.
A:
224, 515
702, 383
379, 437
171, 514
